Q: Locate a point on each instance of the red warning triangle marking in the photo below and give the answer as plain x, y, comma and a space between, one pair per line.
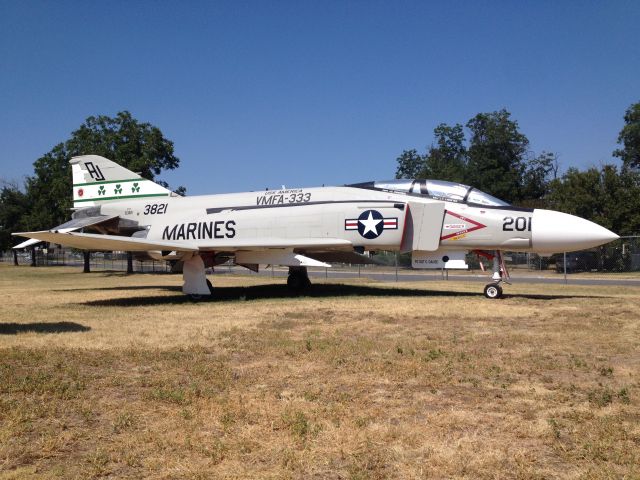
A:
476, 225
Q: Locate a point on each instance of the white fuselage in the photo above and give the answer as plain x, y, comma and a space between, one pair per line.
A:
335, 212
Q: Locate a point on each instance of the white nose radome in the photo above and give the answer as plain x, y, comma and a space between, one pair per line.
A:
557, 232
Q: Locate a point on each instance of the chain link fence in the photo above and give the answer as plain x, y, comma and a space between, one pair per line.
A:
99, 261
623, 255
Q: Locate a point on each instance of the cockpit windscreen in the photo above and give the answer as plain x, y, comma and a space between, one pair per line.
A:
450, 191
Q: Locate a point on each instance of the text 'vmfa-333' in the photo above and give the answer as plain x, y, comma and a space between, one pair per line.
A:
438, 222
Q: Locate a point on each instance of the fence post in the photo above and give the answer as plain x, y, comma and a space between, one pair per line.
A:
129, 262
87, 260
396, 261
565, 267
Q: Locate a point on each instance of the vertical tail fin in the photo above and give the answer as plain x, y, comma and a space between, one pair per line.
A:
97, 180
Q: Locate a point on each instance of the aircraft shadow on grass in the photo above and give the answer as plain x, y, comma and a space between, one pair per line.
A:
41, 327
135, 287
265, 292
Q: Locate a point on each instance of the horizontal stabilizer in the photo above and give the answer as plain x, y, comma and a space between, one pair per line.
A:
27, 243
90, 241
70, 226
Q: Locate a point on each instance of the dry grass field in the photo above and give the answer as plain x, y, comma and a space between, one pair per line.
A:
104, 375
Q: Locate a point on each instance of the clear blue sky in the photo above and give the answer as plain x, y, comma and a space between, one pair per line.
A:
304, 93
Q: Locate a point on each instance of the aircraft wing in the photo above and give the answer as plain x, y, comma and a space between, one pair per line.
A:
90, 241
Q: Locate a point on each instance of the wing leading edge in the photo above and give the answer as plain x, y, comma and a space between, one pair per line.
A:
91, 241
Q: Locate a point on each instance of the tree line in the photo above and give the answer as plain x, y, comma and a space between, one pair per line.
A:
491, 153
45, 199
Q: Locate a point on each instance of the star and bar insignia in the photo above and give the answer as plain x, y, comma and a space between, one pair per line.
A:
371, 223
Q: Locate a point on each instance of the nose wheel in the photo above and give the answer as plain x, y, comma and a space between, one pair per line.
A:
493, 290
500, 274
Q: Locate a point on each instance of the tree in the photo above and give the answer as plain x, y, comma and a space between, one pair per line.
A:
495, 159
14, 206
535, 181
629, 138
447, 160
497, 155
410, 164
140, 147
49, 190
605, 196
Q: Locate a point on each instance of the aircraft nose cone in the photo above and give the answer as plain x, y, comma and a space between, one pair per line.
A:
557, 232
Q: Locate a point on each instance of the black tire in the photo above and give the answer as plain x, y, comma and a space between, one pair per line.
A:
493, 290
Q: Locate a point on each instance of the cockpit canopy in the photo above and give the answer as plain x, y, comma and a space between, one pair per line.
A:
438, 189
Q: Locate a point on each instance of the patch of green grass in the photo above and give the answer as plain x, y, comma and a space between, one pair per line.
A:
124, 421
606, 371
433, 354
601, 397
299, 424
555, 427
623, 395
175, 395
98, 463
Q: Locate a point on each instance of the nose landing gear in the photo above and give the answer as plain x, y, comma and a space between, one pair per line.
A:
493, 290
500, 274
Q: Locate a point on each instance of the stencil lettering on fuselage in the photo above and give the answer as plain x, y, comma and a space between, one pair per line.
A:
283, 197
200, 230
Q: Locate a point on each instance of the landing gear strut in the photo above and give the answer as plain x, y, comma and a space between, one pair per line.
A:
298, 278
500, 274
196, 284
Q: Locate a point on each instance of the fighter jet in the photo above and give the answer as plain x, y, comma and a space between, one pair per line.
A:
438, 222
